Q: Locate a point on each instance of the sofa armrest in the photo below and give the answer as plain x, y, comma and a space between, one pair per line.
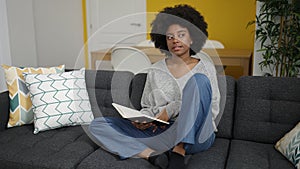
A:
4, 110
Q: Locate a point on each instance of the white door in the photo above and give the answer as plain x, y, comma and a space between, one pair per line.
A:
116, 23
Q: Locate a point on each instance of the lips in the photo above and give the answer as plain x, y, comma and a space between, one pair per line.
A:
175, 48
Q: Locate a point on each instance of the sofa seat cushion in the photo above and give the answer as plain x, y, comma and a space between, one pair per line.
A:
250, 155
214, 157
60, 148
105, 160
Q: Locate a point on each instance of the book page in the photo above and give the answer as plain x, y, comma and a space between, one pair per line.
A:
135, 115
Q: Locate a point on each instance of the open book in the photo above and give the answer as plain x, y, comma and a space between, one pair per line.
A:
135, 115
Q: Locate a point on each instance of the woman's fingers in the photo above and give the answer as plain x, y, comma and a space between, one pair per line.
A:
142, 126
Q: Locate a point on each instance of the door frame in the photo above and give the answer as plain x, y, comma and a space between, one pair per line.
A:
5, 56
87, 23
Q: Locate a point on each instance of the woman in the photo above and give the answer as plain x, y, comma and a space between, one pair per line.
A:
181, 89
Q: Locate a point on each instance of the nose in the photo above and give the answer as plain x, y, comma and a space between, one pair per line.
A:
175, 39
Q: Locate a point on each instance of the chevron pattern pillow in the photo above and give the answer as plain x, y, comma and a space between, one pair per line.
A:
59, 100
20, 104
289, 146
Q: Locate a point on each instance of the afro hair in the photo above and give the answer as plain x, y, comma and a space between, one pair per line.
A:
185, 16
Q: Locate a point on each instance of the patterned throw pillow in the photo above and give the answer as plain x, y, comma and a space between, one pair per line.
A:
289, 146
59, 100
20, 104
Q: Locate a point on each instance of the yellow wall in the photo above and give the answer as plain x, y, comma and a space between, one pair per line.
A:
227, 19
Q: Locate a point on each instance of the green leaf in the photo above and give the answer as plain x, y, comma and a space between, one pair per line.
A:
250, 23
278, 25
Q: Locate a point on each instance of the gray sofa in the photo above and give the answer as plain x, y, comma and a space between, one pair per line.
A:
258, 112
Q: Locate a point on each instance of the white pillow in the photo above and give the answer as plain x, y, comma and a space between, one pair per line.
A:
59, 100
289, 146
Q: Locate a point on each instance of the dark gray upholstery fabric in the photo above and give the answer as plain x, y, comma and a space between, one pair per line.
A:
61, 148
104, 160
4, 110
105, 87
64, 147
251, 155
137, 88
227, 92
213, 158
266, 108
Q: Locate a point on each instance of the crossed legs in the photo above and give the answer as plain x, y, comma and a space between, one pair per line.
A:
192, 131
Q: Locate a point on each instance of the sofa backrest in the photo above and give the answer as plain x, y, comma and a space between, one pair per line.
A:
227, 92
137, 88
266, 108
106, 87
4, 110
226, 85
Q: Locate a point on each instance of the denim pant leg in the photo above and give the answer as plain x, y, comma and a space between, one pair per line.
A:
195, 127
109, 135
120, 137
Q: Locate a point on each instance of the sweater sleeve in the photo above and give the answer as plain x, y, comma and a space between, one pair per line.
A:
173, 109
147, 107
160, 93
215, 100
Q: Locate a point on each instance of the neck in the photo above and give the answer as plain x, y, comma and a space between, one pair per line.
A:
186, 59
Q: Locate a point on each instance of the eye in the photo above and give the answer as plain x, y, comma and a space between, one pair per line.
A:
181, 35
170, 37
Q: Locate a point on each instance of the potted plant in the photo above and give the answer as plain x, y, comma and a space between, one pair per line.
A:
278, 33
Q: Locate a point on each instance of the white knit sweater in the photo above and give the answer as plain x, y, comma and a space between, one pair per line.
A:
163, 90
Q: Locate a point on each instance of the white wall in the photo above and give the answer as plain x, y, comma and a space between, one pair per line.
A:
257, 56
59, 31
4, 43
21, 32
45, 32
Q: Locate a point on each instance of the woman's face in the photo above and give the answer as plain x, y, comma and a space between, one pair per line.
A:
178, 40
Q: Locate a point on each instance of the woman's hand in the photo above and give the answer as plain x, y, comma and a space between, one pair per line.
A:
163, 115
142, 126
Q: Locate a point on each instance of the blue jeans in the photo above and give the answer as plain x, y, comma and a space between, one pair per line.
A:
192, 127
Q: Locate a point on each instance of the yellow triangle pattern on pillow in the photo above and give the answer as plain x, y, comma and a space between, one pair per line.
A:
20, 104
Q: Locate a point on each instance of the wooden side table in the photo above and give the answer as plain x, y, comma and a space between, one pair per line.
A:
227, 57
